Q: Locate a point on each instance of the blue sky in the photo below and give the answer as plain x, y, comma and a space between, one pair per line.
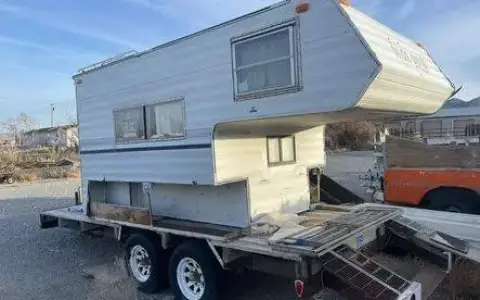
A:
43, 43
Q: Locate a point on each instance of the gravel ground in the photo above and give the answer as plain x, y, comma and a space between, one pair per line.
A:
50, 263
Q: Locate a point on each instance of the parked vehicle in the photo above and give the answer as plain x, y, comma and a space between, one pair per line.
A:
440, 176
200, 154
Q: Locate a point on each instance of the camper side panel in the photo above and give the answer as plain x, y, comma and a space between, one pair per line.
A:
272, 188
223, 205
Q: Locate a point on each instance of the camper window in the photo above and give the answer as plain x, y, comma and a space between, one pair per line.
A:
165, 120
129, 124
281, 150
265, 62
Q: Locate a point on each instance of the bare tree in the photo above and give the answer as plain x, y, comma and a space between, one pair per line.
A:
73, 136
72, 120
17, 125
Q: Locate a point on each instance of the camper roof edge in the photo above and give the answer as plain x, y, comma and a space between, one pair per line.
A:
106, 63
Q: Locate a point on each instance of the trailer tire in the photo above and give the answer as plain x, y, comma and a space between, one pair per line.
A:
327, 294
194, 273
147, 263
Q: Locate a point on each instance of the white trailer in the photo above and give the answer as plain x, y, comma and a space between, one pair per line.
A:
184, 147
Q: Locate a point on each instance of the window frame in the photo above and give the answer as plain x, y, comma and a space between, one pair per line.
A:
474, 130
184, 131
461, 129
294, 58
143, 108
431, 134
115, 128
281, 162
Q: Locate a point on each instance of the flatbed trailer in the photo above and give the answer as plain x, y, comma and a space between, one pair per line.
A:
205, 153
342, 241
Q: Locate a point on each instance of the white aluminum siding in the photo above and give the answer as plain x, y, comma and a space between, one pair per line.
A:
409, 80
335, 68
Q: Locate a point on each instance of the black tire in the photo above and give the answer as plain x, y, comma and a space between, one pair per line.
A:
327, 294
453, 200
158, 260
210, 268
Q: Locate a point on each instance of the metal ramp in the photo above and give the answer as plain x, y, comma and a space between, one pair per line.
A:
410, 229
361, 272
317, 239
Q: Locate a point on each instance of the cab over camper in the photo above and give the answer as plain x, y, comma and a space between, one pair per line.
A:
227, 123
187, 145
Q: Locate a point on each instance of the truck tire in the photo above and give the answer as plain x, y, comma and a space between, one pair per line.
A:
453, 200
194, 272
146, 263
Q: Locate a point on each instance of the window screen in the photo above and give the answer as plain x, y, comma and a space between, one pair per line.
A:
431, 128
273, 150
264, 62
129, 124
473, 129
165, 120
460, 126
281, 150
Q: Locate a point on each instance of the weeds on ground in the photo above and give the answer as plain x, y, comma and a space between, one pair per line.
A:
464, 281
350, 136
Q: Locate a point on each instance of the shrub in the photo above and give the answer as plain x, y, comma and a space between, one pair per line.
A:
350, 136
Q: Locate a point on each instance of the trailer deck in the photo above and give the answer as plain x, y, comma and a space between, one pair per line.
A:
323, 230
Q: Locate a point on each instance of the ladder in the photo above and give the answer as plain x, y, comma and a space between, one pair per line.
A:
360, 271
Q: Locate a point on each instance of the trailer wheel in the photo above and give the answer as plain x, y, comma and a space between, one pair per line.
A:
146, 263
327, 294
194, 273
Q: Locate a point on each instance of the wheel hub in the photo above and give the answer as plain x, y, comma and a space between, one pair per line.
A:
190, 279
140, 263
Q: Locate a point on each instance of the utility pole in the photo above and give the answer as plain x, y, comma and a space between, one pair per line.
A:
52, 110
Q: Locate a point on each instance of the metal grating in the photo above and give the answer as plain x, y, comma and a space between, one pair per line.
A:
408, 228
361, 272
322, 237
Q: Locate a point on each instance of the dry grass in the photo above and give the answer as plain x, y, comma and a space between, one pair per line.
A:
350, 136
32, 165
58, 173
463, 283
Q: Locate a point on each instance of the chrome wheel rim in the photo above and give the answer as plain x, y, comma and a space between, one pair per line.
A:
190, 279
140, 263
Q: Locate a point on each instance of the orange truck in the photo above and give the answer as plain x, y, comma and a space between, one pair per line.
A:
439, 177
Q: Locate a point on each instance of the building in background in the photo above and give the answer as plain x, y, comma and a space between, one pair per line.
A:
457, 121
7, 142
65, 136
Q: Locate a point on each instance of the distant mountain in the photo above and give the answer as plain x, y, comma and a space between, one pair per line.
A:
474, 102
454, 103
459, 103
